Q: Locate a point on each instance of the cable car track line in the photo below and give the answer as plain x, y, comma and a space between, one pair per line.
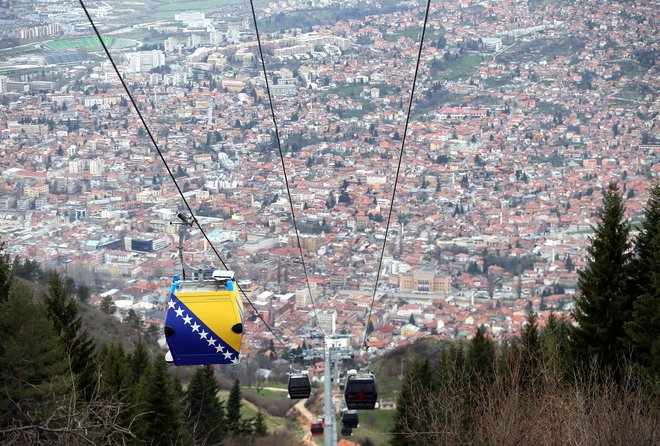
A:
279, 147
169, 171
398, 169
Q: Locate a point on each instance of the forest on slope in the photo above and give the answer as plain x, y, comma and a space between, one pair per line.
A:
591, 381
62, 385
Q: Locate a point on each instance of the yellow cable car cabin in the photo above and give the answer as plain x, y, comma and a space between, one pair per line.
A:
204, 320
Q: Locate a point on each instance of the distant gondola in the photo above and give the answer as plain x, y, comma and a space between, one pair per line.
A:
349, 419
300, 386
204, 320
316, 428
360, 391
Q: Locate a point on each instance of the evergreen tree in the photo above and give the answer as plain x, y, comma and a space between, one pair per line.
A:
531, 350
134, 321
108, 306
569, 264
76, 341
139, 361
406, 418
556, 344
234, 408
481, 357
205, 413
157, 410
259, 425
34, 369
5, 274
114, 370
83, 292
644, 327
604, 302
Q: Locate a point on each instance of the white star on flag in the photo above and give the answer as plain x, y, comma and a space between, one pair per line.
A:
219, 348
195, 326
227, 355
235, 361
171, 304
211, 341
179, 312
187, 319
203, 334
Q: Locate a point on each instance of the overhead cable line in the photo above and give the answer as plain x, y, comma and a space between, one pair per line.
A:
398, 170
279, 147
167, 167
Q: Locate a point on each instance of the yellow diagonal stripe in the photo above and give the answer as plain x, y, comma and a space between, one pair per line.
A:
219, 310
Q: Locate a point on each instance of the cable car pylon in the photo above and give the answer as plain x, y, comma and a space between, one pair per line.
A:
330, 428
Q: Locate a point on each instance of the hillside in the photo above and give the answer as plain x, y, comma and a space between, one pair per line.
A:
106, 328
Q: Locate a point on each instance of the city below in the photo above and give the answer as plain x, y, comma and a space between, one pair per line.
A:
522, 116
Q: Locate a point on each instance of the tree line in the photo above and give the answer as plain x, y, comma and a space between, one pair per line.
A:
61, 387
594, 380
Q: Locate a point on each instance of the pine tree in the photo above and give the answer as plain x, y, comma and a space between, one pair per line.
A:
108, 306
481, 357
5, 274
569, 264
259, 425
158, 412
531, 350
139, 361
76, 341
556, 344
406, 418
644, 327
34, 370
234, 408
604, 302
114, 370
205, 413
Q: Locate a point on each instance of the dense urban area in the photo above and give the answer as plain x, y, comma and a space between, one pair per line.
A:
523, 113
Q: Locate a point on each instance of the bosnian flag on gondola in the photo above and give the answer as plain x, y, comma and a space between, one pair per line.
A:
195, 338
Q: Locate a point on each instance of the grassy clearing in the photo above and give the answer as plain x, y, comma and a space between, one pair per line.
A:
348, 90
461, 67
548, 108
466, 64
375, 425
543, 48
411, 33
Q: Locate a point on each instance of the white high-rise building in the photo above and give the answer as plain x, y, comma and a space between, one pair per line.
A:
145, 60
76, 166
96, 167
327, 320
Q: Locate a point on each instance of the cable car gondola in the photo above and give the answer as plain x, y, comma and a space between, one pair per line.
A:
300, 386
360, 392
204, 320
316, 428
349, 419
